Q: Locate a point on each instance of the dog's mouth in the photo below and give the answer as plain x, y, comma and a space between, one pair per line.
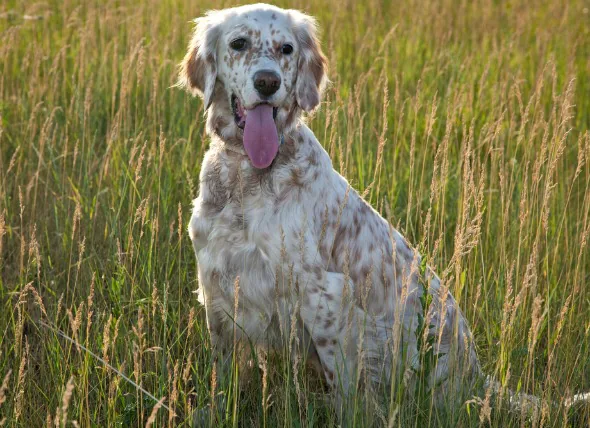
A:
261, 138
240, 112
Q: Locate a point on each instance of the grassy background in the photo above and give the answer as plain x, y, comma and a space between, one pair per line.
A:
465, 122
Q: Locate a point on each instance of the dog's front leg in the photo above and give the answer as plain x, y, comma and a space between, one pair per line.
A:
328, 311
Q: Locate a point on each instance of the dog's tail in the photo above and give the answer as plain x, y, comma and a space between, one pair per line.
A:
530, 406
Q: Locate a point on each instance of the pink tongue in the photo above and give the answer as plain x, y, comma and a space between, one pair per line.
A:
261, 140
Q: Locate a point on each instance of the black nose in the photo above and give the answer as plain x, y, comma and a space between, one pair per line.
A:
267, 82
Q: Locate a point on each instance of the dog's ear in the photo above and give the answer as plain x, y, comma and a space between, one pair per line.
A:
198, 69
312, 63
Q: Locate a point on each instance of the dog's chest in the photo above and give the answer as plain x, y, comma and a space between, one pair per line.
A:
241, 224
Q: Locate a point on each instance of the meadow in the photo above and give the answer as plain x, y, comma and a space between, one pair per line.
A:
465, 123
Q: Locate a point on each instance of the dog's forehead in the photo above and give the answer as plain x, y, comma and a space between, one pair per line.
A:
259, 22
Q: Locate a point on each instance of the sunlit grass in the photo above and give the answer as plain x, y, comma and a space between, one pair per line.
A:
466, 124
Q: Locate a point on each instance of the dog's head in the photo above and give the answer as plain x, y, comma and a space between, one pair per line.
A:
256, 67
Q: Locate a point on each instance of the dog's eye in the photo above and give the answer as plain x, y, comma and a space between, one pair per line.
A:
287, 49
238, 44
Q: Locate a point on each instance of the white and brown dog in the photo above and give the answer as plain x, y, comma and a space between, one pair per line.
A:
272, 212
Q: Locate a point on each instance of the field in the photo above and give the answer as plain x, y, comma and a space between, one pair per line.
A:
466, 124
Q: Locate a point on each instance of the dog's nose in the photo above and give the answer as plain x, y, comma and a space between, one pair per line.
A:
267, 82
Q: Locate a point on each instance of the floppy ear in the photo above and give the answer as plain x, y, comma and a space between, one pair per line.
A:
198, 69
312, 64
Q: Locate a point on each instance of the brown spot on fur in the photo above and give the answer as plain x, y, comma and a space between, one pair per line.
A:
296, 178
357, 233
291, 116
286, 154
193, 68
317, 61
365, 272
312, 158
356, 221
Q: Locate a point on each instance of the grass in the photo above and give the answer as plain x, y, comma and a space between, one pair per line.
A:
465, 123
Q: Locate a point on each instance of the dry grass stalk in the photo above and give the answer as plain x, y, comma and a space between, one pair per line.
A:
4, 387
152, 418
20, 384
61, 416
173, 381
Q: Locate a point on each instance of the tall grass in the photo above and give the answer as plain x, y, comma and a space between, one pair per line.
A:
465, 123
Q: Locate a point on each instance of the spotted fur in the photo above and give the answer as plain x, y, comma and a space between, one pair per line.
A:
301, 241
303, 244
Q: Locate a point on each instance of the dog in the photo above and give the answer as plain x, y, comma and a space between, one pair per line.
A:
284, 245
